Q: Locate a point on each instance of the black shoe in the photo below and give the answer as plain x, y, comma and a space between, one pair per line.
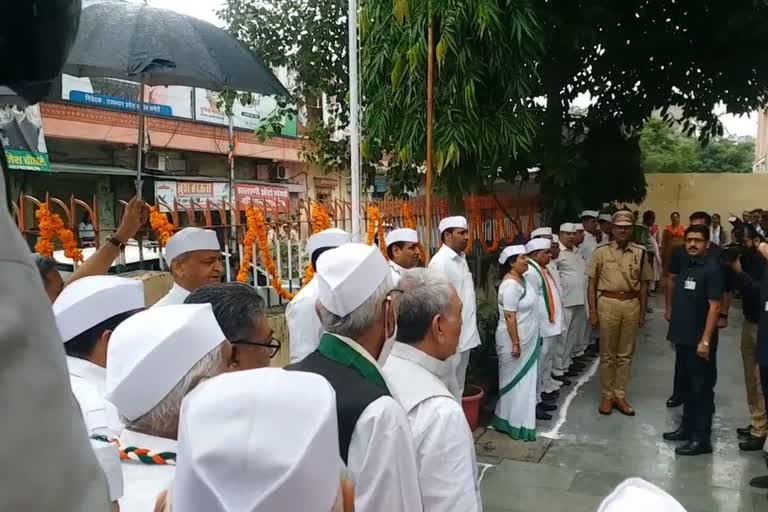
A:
694, 448
563, 379
744, 432
674, 401
541, 415
678, 435
752, 444
759, 482
571, 374
554, 395
547, 407
548, 399
577, 367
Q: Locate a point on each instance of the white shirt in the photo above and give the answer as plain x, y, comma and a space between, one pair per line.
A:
304, 328
573, 270
88, 381
397, 271
588, 246
454, 267
175, 296
143, 482
445, 448
381, 459
533, 280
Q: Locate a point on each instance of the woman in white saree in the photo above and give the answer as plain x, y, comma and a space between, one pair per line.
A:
517, 346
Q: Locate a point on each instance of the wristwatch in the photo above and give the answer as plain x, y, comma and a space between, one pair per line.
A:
117, 243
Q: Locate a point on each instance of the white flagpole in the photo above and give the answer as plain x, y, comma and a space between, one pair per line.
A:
354, 129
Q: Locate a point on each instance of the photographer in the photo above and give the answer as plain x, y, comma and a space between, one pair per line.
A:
749, 267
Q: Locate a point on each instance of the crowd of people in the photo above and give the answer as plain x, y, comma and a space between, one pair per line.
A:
369, 411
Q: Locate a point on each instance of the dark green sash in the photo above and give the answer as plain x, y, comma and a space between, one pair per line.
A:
335, 349
523, 371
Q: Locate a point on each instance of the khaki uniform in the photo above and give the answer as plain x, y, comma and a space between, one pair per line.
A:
619, 274
755, 399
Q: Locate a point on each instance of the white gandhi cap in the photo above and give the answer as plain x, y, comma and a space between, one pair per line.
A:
637, 495
544, 231
605, 217
91, 300
538, 244
191, 239
589, 213
508, 252
579, 226
331, 237
568, 227
452, 222
261, 440
402, 235
152, 351
348, 275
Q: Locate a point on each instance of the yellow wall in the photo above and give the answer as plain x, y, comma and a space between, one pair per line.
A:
725, 193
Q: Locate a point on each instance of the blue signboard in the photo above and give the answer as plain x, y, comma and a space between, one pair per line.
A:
100, 100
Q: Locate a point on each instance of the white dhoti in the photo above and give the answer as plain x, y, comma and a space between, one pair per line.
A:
458, 375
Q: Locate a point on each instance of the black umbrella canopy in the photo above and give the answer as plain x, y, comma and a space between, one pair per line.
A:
131, 41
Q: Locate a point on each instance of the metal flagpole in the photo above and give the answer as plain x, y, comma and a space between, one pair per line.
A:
232, 206
140, 163
354, 129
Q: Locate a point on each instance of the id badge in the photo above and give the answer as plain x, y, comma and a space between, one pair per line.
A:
690, 284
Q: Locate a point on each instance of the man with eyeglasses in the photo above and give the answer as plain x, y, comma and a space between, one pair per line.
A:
241, 314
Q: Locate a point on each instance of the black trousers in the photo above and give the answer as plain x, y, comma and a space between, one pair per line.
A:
698, 391
764, 385
680, 380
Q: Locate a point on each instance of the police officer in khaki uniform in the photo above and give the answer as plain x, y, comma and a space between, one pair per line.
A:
619, 274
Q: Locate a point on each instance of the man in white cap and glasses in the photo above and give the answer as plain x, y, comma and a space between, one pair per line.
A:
540, 280
154, 359
194, 257
402, 251
87, 312
591, 233
304, 329
429, 325
355, 304
230, 462
451, 261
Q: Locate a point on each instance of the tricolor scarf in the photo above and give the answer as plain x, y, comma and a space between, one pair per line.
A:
546, 288
141, 455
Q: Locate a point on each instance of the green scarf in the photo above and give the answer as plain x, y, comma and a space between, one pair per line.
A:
336, 350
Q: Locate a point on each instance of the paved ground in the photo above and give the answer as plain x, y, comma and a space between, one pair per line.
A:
591, 454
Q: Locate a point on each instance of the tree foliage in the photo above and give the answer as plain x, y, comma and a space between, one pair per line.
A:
666, 149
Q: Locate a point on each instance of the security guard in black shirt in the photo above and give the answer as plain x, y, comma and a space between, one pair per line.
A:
695, 312
761, 355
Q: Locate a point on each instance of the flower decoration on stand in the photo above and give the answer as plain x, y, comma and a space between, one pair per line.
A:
498, 224
374, 222
161, 225
51, 226
250, 239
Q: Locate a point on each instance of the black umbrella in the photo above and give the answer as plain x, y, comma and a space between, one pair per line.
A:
161, 47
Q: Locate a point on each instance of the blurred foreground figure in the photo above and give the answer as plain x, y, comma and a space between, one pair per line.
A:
54, 467
299, 469
637, 495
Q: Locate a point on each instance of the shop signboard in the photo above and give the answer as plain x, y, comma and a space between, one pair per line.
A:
247, 117
186, 193
115, 94
22, 136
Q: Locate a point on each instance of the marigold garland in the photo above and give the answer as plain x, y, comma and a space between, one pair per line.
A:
409, 219
374, 221
161, 225
50, 226
498, 224
320, 221
250, 239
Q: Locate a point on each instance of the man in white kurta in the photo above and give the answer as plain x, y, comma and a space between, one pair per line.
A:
154, 359
194, 257
300, 472
429, 324
592, 238
572, 268
375, 442
538, 278
451, 261
304, 327
402, 251
87, 311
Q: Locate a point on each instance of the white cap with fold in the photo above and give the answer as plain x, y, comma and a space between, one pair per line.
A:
538, 244
568, 227
638, 495
149, 353
331, 237
348, 275
191, 239
555, 239
452, 222
512, 250
589, 213
578, 226
605, 217
402, 235
91, 300
543, 231
259, 441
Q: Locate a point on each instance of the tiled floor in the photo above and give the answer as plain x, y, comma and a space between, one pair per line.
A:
594, 453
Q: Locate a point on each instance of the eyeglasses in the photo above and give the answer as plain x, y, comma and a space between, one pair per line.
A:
274, 345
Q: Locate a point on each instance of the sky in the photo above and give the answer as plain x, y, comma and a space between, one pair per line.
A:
205, 10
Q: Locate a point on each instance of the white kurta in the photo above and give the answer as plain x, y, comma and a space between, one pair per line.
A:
143, 482
175, 296
445, 449
397, 271
588, 246
551, 344
304, 328
88, 381
572, 268
381, 459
